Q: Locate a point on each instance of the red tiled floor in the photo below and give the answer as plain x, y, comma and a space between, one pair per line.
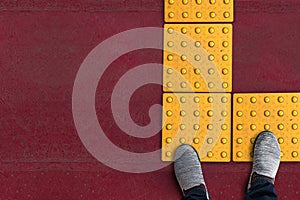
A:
43, 44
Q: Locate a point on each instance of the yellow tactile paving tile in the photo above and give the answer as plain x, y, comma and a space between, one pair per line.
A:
253, 113
199, 11
202, 120
197, 58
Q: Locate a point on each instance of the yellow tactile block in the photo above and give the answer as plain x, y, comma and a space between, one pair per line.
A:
254, 113
198, 58
199, 10
201, 120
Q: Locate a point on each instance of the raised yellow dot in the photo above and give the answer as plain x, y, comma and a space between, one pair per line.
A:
211, 71
183, 58
169, 84
252, 140
171, 15
198, 1
169, 99
295, 154
197, 99
210, 141
240, 100
211, 30
294, 113
225, 57
280, 140
294, 99
169, 126
196, 127
182, 140
253, 100
239, 154
211, 57
252, 127
280, 99
267, 100
224, 113
267, 127
225, 85
197, 85
253, 113
267, 113
225, 44
170, 44
196, 113
198, 14
210, 113
239, 141
225, 30
226, 1
210, 99
182, 99
211, 85
185, 2
169, 140
182, 126
226, 14
212, 14
210, 154
184, 44
223, 140
170, 30
197, 71
197, 44
170, 57
280, 126
169, 113
183, 71
224, 100
212, 1
184, 30
185, 15
197, 57
171, 2
225, 71
239, 127
168, 154
239, 113
210, 127
224, 127
170, 71
294, 140
197, 30
182, 113
211, 44
183, 84
196, 140
281, 154
280, 113
223, 154
295, 126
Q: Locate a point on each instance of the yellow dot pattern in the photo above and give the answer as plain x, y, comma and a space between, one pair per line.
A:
199, 11
254, 113
204, 125
197, 58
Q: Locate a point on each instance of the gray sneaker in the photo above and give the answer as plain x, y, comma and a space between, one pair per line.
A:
187, 168
266, 157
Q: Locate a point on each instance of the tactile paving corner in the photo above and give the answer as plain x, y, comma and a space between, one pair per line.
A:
201, 120
198, 58
254, 113
199, 10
